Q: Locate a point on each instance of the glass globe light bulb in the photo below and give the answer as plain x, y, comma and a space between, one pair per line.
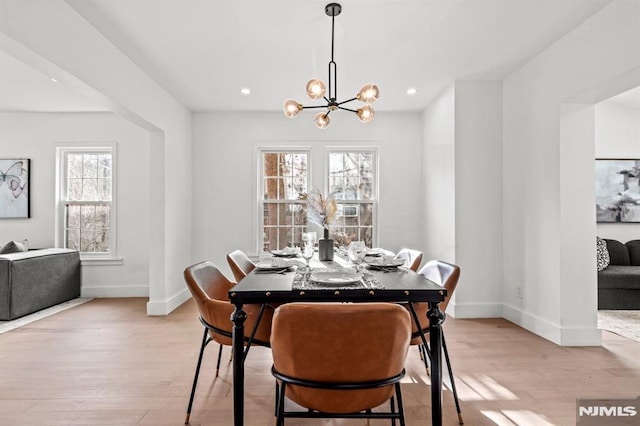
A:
322, 120
316, 88
369, 93
365, 113
291, 108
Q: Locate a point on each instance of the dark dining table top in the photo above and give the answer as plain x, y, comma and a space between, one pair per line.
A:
401, 285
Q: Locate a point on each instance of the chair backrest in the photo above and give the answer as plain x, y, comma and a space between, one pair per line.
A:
412, 258
240, 264
444, 274
209, 288
340, 343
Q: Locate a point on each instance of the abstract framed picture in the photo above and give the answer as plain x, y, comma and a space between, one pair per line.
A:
14, 188
617, 190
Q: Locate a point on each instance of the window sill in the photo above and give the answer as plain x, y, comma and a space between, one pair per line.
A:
106, 261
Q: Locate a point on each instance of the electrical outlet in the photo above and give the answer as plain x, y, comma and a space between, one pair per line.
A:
519, 291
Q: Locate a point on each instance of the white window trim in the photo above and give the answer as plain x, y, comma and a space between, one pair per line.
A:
258, 169
90, 259
328, 149
318, 152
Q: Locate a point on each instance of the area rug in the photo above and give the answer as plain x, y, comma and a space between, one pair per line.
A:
623, 323
27, 319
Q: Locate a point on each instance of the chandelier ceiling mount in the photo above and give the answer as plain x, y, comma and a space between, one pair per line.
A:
317, 89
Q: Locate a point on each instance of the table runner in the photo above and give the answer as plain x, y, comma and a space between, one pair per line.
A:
301, 281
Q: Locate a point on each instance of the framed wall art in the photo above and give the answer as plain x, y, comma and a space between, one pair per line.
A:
14, 188
617, 190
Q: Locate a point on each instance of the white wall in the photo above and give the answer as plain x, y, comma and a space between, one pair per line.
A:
53, 37
225, 163
35, 136
462, 137
617, 135
438, 174
478, 198
536, 247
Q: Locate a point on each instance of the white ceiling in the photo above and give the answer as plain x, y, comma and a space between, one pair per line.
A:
204, 51
25, 89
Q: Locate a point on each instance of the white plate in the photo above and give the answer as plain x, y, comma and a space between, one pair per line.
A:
288, 252
269, 266
335, 278
383, 263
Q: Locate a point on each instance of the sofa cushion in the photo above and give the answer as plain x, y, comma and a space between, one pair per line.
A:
14, 247
634, 252
602, 254
616, 276
618, 253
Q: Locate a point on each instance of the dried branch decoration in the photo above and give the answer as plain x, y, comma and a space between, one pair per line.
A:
322, 211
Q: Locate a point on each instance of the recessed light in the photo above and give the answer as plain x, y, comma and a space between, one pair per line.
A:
53, 79
245, 91
412, 91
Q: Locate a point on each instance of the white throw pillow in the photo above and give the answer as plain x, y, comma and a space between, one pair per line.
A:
602, 254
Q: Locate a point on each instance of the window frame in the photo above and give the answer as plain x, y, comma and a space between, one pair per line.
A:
61, 202
260, 205
375, 151
317, 177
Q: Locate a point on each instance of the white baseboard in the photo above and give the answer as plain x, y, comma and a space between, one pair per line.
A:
155, 308
587, 336
475, 310
167, 306
115, 291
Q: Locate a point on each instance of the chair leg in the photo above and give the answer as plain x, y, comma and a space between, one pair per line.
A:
392, 402
424, 355
280, 418
422, 347
400, 404
219, 356
275, 408
195, 378
453, 383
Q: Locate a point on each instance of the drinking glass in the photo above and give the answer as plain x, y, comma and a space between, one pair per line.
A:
308, 246
357, 251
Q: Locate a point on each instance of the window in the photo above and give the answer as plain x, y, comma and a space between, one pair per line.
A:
351, 175
284, 215
86, 219
352, 179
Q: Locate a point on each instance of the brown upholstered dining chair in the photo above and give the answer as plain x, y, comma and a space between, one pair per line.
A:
209, 288
240, 264
446, 275
322, 359
412, 258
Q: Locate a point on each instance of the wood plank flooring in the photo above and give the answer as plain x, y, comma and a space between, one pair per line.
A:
107, 363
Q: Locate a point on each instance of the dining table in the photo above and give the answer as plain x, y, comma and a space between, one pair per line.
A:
297, 284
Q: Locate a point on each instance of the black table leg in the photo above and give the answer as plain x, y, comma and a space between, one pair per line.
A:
238, 317
436, 318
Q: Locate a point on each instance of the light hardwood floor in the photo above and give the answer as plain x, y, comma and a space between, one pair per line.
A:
107, 363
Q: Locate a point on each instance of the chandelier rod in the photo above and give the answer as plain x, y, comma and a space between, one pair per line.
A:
333, 76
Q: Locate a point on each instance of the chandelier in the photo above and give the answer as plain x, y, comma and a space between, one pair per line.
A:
316, 89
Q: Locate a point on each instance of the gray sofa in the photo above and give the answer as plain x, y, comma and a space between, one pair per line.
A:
619, 283
37, 279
